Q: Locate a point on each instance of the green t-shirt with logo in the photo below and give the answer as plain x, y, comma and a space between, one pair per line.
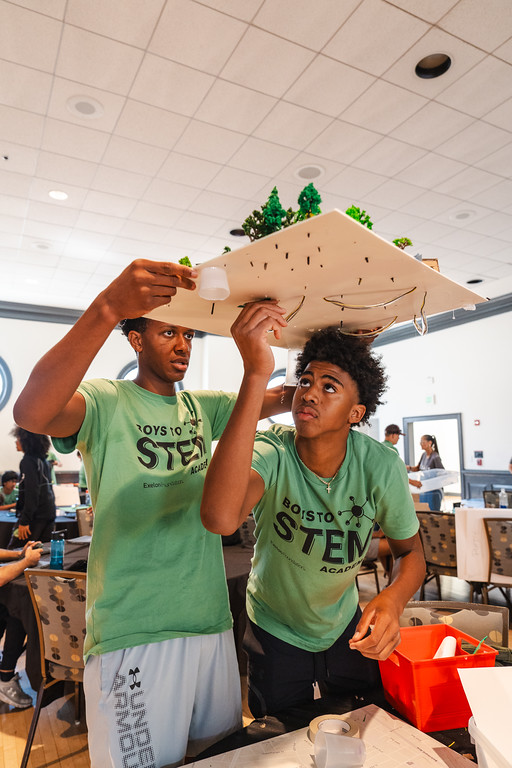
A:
389, 444
310, 543
154, 572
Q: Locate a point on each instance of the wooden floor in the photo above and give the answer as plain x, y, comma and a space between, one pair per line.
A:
59, 743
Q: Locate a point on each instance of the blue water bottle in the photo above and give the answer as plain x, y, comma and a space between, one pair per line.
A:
57, 550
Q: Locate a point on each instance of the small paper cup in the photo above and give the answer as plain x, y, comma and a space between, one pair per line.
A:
213, 284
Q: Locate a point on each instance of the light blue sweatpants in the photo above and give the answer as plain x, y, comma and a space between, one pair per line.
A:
149, 706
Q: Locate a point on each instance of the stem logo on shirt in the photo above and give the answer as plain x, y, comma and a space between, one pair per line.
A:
339, 547
155, 447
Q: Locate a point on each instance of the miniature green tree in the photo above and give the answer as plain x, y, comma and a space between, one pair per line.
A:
270, 219
402, 242
309, 203
186, 261
361, 216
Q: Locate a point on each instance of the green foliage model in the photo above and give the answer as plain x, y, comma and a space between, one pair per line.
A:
402, 242
361, 216
185, 261
272, 217
309, 203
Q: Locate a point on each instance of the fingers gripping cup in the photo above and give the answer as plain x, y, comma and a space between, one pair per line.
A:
335, 749
213, 284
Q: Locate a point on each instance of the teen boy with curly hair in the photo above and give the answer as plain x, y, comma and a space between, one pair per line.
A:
317, 491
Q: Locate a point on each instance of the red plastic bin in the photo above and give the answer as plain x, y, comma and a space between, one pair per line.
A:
428, 691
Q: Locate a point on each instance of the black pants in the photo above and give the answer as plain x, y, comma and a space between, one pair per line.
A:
14, 639
40, 530
281, 675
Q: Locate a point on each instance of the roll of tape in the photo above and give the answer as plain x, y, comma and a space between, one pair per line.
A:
333, 724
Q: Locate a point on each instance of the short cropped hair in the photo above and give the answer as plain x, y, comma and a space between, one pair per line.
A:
354, 356
138, 324
32, 443
9, 475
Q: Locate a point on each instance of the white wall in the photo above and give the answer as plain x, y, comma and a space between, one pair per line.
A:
461, 367
466, 370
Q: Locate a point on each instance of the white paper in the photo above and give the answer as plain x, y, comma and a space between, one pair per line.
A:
489, 692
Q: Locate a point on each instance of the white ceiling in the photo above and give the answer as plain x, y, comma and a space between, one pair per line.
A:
207, 105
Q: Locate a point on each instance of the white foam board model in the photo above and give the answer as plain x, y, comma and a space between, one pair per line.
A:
330, 256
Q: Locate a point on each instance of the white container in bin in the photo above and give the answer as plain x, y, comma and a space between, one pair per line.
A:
487, 755
432, 479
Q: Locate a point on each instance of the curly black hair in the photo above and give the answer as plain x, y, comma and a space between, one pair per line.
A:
138, 324
352, 355
32, 443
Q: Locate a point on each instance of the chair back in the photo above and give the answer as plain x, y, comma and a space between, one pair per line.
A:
58, 598
437, 530
85, 520
492, 499
472, 618
499, 538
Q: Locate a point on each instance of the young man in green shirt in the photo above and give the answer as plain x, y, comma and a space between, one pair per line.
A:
316, 492
8, 492
161, 666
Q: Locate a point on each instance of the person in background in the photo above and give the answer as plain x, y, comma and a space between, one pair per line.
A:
11, 691
160, 625
316, 491
35, 506
8, 491
391, 437
53, 461
82, 481
429, 459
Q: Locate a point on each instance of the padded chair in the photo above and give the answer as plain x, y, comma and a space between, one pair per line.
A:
58, 598
499, 539
437, 531
85, 520
472, 618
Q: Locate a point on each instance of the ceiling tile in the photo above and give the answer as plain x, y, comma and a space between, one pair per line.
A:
22, 33
188, 240
137, 249
15, 184
119, 182
429, 232
97, 222
475, 22
474, 143
208, 142
65, 170
24, 88
344, 142
266, 63
232, 106
429, 204
134, 156
245, 10
329, 169
137, 230
396, 223
260, 156
471, 92
97, 202
493, 196
463, 57
21, 127
393, 194
383, 107
85, 242
54, 8
429, 10
242, 184
494, 224
389, 157
199, 223
430, 171
44, 231
176, 36
52, 214
189, 170
501, 116
328, 86
393, 33
308, 24
354, 183
12, 206
170, 86
170, 193
60, 109
499, 162
431, 126
153, 213
215, 204
291, 126
128, 21
505, 51
12, 225
17, 159
73, 140
97, 61
150, 125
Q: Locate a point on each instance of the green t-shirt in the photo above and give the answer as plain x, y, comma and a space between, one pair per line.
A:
389, 444
154, 572
310, 543
82, 479
50, 458
8, 498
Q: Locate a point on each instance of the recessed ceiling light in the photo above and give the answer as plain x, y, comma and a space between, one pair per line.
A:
237, 232
58, 194
310, 172
41, 246
462, 215
474, 281
434, 65
85, 107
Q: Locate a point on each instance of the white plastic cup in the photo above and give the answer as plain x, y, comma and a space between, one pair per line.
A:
213, 284
334, 750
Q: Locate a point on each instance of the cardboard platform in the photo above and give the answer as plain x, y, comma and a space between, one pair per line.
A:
330, 256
